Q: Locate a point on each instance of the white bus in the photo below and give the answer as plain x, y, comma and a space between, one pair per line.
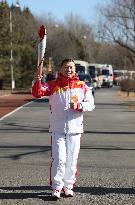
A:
102, 73
81, 66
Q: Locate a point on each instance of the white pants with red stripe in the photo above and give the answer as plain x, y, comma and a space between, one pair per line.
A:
65, 150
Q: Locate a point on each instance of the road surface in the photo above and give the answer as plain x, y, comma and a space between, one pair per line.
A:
106, 161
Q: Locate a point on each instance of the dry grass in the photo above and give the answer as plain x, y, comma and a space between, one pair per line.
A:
5, 92
127, 100
16, 91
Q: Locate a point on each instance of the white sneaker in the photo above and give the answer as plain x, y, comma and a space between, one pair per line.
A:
56, 193
68, 192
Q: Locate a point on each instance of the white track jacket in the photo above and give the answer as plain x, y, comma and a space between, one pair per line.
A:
61, 92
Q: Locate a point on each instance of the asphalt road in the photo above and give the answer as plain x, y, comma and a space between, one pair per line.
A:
106, 161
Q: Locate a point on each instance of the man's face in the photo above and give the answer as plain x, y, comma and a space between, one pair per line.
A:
68, 69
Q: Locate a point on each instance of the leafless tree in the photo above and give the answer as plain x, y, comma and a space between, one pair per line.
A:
118, 25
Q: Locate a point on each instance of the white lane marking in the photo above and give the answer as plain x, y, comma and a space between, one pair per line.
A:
10, 113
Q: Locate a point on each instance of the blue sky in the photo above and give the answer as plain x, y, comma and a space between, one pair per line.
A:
60, 8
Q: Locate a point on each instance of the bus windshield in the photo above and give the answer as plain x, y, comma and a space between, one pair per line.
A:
85, 77
92, 71
105, 72
80, 68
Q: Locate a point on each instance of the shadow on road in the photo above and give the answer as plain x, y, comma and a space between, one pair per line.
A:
35, 150
111, 104
104, 190
30, 150
110, 132
25, 192
38, 192
105, 148
14, 127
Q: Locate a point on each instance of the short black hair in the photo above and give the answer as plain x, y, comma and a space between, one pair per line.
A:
66, 60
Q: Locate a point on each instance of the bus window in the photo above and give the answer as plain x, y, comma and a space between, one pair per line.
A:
92, 71
80, 69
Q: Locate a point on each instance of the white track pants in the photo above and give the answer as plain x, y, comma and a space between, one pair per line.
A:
65, 150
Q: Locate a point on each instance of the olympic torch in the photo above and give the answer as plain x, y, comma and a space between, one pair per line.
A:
41, 49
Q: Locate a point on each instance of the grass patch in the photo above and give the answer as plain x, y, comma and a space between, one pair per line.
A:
127, 100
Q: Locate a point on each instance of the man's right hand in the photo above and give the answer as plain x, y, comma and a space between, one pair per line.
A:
37, 77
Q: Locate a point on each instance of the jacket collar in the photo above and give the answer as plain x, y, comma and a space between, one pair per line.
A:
64, 81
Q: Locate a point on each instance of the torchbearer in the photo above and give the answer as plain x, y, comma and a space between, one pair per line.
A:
66, 124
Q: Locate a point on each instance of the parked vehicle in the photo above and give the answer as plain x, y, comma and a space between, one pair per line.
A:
120, 75
88, 80
94, 74
107, 73
81, 66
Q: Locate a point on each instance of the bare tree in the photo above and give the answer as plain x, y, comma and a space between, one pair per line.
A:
118, 25
82, 31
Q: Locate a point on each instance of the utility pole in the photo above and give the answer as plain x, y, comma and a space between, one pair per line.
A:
11, 48
11, 53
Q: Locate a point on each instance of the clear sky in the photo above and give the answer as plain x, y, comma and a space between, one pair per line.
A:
60, 8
